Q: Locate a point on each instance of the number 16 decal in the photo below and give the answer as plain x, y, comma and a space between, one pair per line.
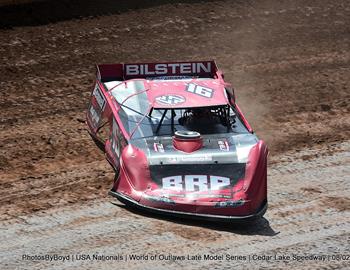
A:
200, 90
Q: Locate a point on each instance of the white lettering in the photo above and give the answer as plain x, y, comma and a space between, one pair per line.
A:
132, 69
217, 182
172, 182
167, 68
185, 68
173, 67
99, 97
95, 117
194, 70
201, 66
195, 182
170, 99
161, 69
191, 87
204, 91
200, 90
141, 69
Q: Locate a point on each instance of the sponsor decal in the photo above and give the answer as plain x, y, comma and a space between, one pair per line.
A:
95, 116
230, 203
164, 78
195, 182
211, 196
158, 147
170, 99
168, 68
166, 198
99, 97
162, 199
115, 145
223, 145
189, 159
200, 90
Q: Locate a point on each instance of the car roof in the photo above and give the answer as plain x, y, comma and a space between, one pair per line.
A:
171, 93
186, 93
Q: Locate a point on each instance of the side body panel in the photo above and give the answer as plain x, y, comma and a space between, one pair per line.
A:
102, 113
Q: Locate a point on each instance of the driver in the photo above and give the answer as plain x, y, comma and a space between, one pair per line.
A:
198, 119
202, 113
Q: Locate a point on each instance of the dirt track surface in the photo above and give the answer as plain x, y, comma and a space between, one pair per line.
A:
289, 62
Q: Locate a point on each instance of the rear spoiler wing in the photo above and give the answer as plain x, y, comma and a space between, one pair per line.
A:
122, 72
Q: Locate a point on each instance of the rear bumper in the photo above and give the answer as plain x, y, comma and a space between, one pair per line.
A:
213, 218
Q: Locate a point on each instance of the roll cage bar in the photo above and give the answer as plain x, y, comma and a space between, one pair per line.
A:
148, 114
226, 115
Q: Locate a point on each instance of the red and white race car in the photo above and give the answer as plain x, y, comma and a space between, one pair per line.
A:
177, 140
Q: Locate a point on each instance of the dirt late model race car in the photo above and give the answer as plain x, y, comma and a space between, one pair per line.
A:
178, 142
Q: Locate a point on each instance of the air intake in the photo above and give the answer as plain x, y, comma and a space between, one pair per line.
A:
187, 141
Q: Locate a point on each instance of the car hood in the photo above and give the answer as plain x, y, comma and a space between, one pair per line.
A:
216, 149
189, 178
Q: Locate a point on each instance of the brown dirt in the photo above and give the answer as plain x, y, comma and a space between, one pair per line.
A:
288, 61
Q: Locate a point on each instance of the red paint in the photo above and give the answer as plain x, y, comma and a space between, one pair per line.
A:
135, 179
110, 72
187, 145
